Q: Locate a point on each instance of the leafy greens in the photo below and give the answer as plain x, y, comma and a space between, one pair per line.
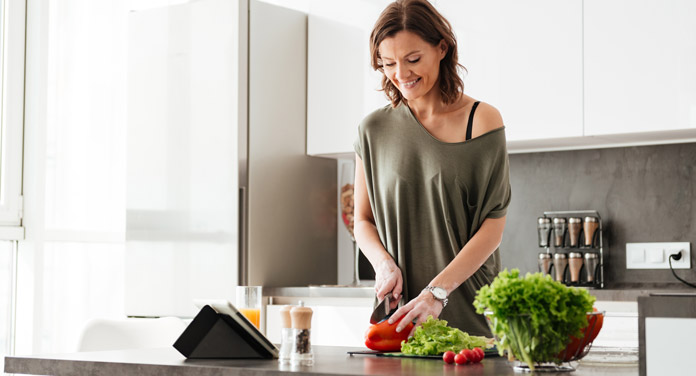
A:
533, 317
435, 337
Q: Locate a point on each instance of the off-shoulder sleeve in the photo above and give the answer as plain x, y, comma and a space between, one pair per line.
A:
357, 145
498, 191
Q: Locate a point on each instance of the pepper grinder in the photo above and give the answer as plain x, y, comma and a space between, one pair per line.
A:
285, 335
560, 262
559, 229
301, 353
574, 228
544, 230
590, 226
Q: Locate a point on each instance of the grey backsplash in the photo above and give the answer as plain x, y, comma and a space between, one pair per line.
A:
643, 194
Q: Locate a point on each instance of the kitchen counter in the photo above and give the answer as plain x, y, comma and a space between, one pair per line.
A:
627, 293
321, 291
632, 294
328, 361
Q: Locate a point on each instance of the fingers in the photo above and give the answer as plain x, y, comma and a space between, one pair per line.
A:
381, 292
415, 326
400, 312
394, 303
398, 286
416, 311
386, 288
412, 314
391, 284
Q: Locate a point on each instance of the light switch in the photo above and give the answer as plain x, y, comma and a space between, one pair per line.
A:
638, 255
656, 256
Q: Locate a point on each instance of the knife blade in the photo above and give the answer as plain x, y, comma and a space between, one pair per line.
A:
381, 311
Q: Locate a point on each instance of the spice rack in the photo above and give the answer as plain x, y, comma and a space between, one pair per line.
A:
596, 246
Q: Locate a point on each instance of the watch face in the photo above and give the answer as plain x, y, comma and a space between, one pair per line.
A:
439, 293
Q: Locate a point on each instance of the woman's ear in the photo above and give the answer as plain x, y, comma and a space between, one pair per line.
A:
443, 47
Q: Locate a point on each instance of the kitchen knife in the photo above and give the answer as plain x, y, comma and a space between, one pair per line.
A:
381, 311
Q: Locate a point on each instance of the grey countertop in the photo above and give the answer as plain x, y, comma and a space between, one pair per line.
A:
328, 361
629, 294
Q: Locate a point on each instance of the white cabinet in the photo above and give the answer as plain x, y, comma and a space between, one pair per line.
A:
335, 59
341, 85
564, 74
525, 58
640, 66
519, 59
335, 321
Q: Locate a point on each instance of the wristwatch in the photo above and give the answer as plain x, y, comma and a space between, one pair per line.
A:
439, 293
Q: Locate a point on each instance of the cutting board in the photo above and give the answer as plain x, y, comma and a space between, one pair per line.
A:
490, 353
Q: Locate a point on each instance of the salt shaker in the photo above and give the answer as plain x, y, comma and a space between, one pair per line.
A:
301, 352
285, 335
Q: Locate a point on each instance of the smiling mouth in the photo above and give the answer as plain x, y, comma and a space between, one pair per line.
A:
410, 84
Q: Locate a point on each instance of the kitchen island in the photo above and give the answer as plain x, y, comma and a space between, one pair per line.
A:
328, 361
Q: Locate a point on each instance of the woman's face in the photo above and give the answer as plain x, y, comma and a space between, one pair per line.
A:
411, 64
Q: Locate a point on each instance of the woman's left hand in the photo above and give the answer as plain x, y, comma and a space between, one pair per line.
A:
417, 310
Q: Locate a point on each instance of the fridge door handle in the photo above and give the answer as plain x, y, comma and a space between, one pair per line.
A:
243, 268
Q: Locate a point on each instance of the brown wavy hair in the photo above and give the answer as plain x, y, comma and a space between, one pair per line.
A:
421, 18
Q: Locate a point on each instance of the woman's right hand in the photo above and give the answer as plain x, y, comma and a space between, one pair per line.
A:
388, 281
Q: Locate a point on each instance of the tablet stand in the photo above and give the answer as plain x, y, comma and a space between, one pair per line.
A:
213, 335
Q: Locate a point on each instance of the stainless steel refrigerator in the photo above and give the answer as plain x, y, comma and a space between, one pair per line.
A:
220, 191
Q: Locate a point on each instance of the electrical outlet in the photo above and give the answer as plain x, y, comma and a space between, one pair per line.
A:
656, 255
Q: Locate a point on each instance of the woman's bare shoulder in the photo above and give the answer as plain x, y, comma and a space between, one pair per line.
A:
486, 119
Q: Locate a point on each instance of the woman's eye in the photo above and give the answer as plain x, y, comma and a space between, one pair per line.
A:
414, 61
389, 64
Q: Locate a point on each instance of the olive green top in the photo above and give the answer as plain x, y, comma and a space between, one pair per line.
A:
429, 197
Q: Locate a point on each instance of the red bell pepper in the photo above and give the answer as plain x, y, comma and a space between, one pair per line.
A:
383, 336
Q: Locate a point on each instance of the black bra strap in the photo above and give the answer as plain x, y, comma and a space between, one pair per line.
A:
470, 125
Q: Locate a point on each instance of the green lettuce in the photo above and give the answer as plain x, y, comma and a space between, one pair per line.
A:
533, 317
434, 337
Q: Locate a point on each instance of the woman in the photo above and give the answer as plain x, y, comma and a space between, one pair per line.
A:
431, 182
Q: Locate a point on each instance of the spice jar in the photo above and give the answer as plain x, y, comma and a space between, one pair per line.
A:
590, 227
591, 263
301, 352
285, 335
544, 230
545, 263
559, 230
560, 263
574, 229
575, 264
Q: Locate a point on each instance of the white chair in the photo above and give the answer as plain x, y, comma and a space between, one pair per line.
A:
130, 333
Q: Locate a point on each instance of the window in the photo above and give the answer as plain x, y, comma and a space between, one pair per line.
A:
12, 22
12, 38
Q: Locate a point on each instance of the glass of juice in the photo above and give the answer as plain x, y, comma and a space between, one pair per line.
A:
249, 303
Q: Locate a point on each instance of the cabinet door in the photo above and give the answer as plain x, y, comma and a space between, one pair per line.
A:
341, 85
335, 59
524, 58
640, 65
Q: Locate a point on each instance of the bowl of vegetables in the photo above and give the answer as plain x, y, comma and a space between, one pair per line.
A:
538, 322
